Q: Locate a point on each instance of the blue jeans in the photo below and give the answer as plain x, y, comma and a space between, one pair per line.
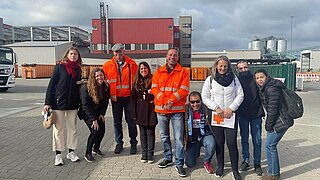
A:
272, 141
178, 128
123, 103
193, 149
255, 129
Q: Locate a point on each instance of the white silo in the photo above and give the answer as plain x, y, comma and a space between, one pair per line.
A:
258, 45
250, 45
282, 45
272, 45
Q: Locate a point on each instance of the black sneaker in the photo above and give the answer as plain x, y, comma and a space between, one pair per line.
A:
258, 170
165, 163
97, 152
236, 175
244, 166
118, 149
181, 171
133, 149
150, 159
89, 158
219, 172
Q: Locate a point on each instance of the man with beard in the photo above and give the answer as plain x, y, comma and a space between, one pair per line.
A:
250, 114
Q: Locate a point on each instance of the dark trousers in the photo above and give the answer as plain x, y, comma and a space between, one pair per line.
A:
123, 103
221, 135
96, 136
147, 138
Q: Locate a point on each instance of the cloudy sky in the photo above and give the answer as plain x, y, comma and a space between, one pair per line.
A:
217, 24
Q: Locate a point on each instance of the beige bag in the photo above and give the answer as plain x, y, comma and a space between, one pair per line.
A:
49, 119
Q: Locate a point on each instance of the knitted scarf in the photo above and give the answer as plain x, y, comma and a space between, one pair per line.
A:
71, 66
202, 120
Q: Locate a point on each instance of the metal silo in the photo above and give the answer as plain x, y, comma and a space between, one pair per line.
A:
250, 45
272, 45
282, 45
258, 45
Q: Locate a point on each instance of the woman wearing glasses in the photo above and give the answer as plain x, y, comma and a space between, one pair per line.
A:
223, 94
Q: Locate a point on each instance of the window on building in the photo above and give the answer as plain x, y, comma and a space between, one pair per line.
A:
186, 55
137, 46
151, 46
94, 27
176, 35
144, 46
170, 27
186, 45
170, 45
186, 35
186, 25
127, 46
94, 47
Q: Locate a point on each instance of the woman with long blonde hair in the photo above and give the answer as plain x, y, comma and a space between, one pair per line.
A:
94, 97
62, 97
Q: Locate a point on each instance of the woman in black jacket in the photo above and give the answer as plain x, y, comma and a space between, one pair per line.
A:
62, 97
94, 97
143, 111
277, 121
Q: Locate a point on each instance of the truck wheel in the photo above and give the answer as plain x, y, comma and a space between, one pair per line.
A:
3, 89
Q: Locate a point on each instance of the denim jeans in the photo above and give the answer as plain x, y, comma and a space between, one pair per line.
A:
147, 139
255, 129
272, 141
193, 149
123, 103
178, 128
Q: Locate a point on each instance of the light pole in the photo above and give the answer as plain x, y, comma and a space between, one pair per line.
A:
291, 53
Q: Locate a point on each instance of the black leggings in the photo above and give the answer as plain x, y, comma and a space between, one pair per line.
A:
96, 136
221, 135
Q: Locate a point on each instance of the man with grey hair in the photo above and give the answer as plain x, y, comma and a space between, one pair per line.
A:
120, 72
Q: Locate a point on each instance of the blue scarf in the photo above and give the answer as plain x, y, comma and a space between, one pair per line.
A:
202, 120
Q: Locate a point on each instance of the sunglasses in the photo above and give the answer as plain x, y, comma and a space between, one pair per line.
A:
196, 101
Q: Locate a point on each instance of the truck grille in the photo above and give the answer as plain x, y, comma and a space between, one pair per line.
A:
3, 80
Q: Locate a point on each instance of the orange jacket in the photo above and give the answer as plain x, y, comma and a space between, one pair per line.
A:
120, 87
173, 86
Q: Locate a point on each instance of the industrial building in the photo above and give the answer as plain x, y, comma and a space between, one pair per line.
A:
142, 35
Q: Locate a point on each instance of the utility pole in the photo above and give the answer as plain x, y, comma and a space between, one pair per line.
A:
291, 53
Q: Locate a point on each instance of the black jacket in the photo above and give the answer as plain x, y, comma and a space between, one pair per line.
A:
277, 116
63, 91
251, 106
143, 109
88, 109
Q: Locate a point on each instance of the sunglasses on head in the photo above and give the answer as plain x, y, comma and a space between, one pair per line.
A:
196, 101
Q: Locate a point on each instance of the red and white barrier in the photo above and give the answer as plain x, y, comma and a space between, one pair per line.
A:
309, 77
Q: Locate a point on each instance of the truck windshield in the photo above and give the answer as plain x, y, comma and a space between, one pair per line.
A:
6, 56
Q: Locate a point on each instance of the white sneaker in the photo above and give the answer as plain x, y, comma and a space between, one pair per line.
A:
72, 156
58, 160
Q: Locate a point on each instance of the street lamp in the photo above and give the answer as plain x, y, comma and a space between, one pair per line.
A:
291, 53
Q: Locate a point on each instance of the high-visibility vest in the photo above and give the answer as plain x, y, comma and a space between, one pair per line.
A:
120, 87
173, 86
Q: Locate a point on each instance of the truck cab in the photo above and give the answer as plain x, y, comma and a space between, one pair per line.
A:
7, 61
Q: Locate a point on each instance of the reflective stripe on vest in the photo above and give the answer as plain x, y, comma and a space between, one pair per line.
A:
172, 108
114, 97
177, 95
170, 89
112, 80
185, 88
159, 94
123, 87
154, 85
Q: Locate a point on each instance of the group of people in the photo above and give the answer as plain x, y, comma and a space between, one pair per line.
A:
157, 99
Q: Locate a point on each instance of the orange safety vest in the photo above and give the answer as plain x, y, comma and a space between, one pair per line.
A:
173, 86
120, 87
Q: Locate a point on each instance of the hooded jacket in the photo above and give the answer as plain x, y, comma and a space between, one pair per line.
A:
277, 116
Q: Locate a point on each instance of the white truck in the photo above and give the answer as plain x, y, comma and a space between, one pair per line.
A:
7, 61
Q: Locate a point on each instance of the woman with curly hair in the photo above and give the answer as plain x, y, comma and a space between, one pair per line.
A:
62, 97
143, 111
94, 96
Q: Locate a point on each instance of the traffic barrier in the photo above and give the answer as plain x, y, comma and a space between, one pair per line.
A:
309, 77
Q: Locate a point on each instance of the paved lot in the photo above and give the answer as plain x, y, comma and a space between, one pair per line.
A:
25, 147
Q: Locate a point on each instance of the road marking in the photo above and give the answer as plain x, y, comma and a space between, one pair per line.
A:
9, 111
311, 125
